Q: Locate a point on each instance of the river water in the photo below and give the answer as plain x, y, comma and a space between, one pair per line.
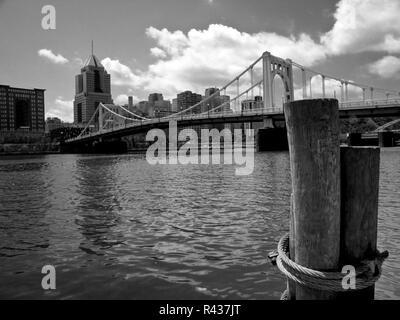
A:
116, 227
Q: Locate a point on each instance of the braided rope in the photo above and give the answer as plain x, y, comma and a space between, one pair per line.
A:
366, 274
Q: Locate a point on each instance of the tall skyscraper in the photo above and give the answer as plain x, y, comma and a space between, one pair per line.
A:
21, 110
92, 86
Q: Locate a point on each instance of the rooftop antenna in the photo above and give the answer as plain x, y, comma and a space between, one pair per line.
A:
92, 47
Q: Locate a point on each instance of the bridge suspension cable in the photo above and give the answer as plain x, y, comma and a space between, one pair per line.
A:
91, 119
387, 125
218, 91
356, 84
234, 99
271, 66
133, 114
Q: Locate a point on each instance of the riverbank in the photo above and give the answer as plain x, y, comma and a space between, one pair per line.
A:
7, 149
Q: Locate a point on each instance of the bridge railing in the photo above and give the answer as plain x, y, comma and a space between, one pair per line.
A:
229, 114
369, 103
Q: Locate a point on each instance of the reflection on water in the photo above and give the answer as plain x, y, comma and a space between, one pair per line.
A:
116, 227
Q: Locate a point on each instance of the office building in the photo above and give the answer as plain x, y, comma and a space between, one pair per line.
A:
215, 101
92, 86
21, 110
188, 99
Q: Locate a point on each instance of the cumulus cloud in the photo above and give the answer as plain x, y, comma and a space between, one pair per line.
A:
212, 56
215, 55
62, 109
49, 55
364, 25
158, 53
387, 67
121, 74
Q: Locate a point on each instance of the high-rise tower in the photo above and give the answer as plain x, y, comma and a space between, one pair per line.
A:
92, 86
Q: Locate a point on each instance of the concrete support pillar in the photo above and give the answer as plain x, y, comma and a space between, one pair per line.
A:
323, 87
354, 139
372, 93
346, 91
304, 83
311, 87
272, 139
386, 139
267, 81
290, 76
364, 94
341, 92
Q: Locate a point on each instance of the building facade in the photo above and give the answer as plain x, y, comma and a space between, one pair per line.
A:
155, 106
188, 99
174, 106
21, 110
153, 97
251, 104
92, 87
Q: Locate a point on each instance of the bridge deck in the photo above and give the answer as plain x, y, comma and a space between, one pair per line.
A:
383, 108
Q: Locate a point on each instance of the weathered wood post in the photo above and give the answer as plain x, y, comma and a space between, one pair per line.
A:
359, 210
291, 285
313, 135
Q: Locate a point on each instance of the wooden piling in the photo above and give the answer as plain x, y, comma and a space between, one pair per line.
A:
359, 210
313, 135
291, 285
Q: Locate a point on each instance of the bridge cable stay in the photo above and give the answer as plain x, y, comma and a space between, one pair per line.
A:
88, 124
218, 91
132, 113
234, 99
353, 83
116, 114
101, 105
387, 125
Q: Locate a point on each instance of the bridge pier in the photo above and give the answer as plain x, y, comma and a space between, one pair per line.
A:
105, 146
272, 139
354, 139
386, 139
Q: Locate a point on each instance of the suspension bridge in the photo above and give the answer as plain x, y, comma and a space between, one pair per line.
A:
257, 80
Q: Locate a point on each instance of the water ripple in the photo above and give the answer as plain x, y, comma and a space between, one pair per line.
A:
116, 227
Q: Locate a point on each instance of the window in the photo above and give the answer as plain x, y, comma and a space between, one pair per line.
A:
79, 113
22, 113
97, 83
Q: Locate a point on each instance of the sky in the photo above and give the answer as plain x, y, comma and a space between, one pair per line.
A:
169, 46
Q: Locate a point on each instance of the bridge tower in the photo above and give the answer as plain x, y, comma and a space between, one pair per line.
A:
272, 67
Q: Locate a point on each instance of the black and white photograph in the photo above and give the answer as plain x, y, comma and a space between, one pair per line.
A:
200, 154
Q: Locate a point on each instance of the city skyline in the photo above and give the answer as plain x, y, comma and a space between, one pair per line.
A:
192, 45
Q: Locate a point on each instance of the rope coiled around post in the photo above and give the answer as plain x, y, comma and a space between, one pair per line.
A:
367, 273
